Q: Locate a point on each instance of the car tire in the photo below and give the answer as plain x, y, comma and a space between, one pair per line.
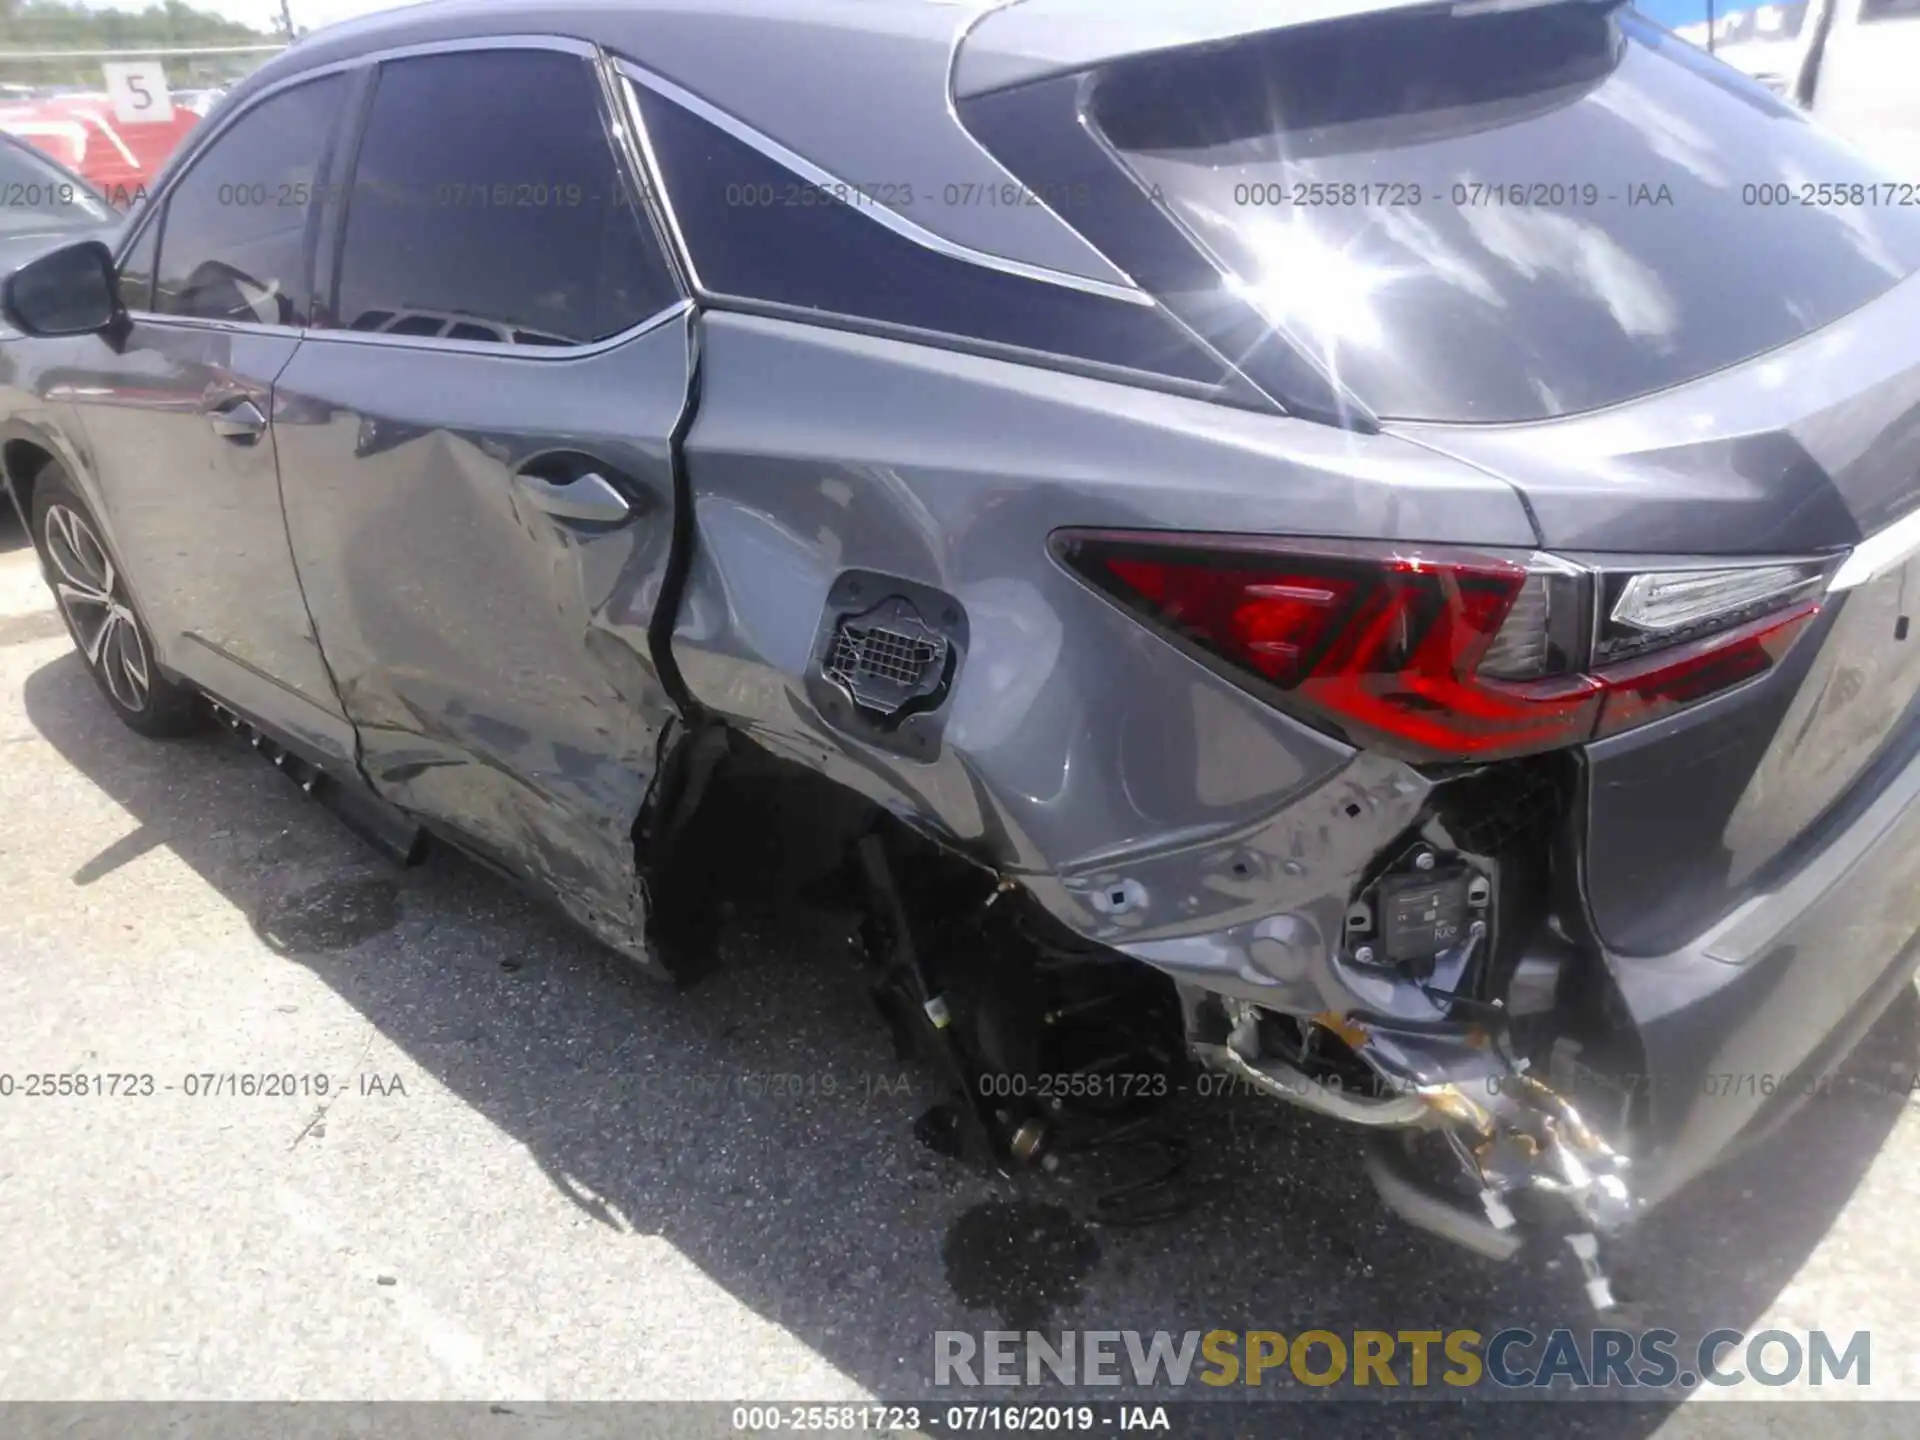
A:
92, 597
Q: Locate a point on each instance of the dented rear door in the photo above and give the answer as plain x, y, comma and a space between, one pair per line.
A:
477, 459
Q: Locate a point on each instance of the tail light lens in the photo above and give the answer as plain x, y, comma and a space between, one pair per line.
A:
1655, 609
1671, 680
1439, 653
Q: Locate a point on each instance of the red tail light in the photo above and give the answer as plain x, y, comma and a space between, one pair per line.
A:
1386, 645
1670, 681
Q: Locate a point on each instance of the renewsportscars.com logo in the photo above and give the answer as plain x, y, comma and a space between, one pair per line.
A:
1510, 1359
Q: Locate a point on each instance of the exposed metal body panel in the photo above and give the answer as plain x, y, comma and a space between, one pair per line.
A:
1081, 756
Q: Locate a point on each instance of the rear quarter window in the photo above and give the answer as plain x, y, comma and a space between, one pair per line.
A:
759, 232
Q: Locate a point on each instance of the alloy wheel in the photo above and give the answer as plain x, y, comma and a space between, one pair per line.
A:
92, 598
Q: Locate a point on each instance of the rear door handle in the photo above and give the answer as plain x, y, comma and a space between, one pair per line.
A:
588, 496
241, 422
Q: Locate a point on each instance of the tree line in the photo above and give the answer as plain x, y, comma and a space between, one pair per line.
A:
68, 25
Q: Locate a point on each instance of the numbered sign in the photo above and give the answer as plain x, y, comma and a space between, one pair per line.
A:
138, 89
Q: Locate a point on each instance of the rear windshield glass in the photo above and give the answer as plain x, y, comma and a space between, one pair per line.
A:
1510, 216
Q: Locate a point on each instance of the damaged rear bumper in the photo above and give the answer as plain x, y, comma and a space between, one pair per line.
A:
1728, 1033
1745, 1023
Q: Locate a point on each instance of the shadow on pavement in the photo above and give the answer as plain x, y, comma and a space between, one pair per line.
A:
761, 1124
13, 534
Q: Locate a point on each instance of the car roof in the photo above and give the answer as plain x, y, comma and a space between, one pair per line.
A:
645, 30
1006, 42
861, 90
856, 88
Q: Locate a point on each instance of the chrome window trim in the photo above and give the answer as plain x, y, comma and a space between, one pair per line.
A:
583, 48
221, 327
501, 349
749, 308
899, 224
953, 113
424, 342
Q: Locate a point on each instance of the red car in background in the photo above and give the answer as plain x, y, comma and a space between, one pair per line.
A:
82, 133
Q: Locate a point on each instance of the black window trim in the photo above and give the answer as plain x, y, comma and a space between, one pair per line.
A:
618, 77
1348, 411
330, 233
1036, 128
627, 131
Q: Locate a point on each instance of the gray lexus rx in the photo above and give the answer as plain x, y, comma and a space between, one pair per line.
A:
1352, 549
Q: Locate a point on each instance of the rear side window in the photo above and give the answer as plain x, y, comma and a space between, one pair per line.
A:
233, 241
488, 205
1510, 216
1890, 10
758, 231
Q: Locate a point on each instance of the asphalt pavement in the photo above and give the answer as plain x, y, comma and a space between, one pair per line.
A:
537, 1177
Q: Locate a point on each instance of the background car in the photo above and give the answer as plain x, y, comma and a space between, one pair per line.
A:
81, 133
1850, 62
200, 101
1864, 82
47, 204
44, 200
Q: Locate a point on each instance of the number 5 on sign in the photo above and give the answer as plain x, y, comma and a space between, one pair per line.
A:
138, 89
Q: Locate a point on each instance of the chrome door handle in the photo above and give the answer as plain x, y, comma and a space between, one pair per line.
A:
589, 496
240, 421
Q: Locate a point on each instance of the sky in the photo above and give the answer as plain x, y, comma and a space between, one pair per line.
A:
262, 14
309, 14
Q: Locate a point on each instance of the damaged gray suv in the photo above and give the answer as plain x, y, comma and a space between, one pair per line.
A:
1356, 547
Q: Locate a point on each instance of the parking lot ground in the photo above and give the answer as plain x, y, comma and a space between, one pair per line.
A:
535, 1176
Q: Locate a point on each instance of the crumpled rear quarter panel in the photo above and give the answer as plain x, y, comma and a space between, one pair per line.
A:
1081, 751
